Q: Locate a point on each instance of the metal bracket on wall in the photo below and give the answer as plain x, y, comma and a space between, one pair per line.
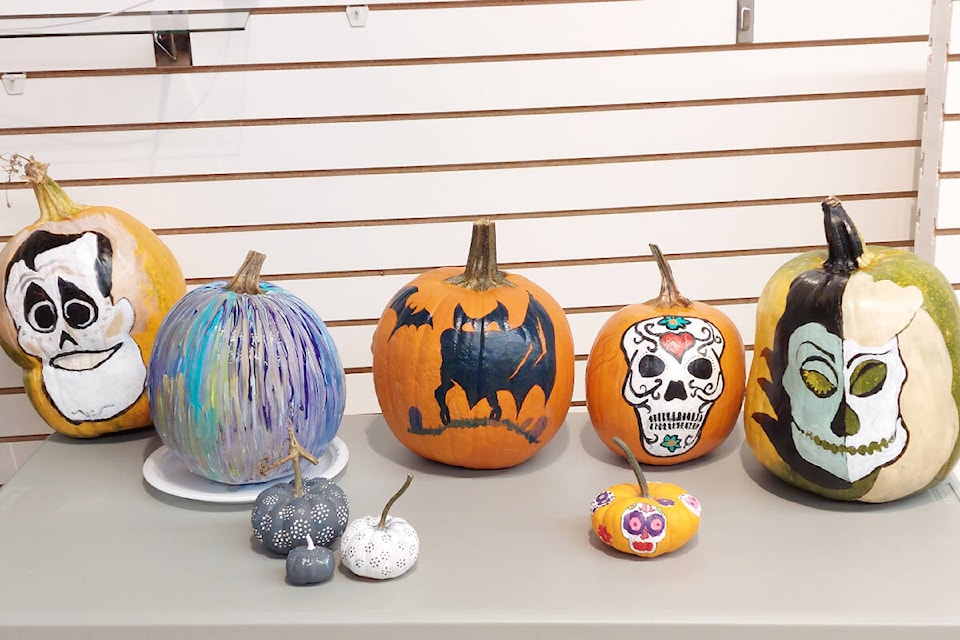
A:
13, 83
745, 19
357, 15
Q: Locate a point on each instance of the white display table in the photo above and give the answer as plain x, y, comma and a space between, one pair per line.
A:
89, 550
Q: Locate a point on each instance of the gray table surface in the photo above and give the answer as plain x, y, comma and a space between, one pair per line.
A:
89, 550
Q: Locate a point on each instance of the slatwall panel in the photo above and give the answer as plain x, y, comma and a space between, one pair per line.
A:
948, 218
356, 158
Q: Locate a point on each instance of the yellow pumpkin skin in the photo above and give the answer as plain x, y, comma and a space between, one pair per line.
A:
888, 295
418, 371
608, 367
144, 272
644, 519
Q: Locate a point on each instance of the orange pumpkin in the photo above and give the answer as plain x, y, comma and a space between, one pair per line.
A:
667, 376
473, 367
84, 291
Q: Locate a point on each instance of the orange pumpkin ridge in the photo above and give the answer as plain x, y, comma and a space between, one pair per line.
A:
473, 367
666, 376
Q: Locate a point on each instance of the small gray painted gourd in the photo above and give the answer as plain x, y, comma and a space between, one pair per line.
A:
309, 564
285, 514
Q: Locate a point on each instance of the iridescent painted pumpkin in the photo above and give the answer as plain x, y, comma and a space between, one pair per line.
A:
236, 364
644, 519
84, 289
473, 367
854, 389
666, 376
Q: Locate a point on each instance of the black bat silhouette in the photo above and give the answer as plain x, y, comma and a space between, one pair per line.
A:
494, 357
408, 316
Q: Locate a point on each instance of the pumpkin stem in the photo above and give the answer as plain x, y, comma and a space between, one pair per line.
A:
53, 202
310, 545
247, 278
843, 240
396, 496
641, 480
481, 272
296, 453
670, 295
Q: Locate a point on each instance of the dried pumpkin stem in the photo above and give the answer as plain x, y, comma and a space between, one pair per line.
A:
53, 202
641, 480
843, 240
247, 278
296, 452
383, 516
670, 295
481, 272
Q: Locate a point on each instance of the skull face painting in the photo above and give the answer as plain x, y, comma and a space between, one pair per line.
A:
673, 380
58, 294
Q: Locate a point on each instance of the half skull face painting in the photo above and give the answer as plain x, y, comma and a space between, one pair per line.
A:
673, 379
58, 292
844, 376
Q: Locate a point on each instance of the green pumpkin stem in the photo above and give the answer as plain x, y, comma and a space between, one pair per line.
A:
296, 452
670, 295
383, 516
641, 480
481, 272
844, 246
53, 202
247, 278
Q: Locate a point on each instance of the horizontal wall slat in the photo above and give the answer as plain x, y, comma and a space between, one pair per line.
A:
468, 31
476, 140
948, 210
441, 88
948, 256
130, 51
479, 192
611, 237
791, 20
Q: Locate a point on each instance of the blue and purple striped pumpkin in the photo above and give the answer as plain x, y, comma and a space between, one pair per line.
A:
234, 364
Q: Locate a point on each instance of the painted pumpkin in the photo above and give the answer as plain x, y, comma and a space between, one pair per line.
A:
666, 376
84, 289
854, 389
473, 367
290, 514
380, 547
236, 364
644, 519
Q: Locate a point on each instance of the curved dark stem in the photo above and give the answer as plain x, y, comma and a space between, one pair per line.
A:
386, 509
843, 240
637, 471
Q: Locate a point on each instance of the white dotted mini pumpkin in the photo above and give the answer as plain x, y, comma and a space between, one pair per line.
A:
380, 548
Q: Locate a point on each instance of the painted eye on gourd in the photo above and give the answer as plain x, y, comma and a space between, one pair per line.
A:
650, 366
817, 382
79, 309
868, 378
39, 309
701, 368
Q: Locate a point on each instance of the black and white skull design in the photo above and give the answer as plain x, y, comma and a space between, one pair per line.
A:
58, 294
673, 379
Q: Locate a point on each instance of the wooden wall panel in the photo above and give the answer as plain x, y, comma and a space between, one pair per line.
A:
356, 158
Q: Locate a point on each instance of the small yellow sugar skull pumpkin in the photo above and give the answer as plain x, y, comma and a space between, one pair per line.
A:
644, 519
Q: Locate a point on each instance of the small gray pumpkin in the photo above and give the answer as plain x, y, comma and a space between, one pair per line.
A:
309, 564
285, 514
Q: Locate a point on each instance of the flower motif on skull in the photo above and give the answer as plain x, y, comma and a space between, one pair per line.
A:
602, 500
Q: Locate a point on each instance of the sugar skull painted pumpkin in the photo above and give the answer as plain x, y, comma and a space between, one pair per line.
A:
473, 367
666, 376
237, 364
855, 386
647, 519
84, 290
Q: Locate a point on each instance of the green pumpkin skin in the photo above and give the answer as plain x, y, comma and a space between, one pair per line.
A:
930, 351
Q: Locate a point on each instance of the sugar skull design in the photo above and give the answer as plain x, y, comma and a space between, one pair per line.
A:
644, 525
673, 379
58, 292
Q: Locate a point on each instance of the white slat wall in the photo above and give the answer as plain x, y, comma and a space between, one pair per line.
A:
356, 158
